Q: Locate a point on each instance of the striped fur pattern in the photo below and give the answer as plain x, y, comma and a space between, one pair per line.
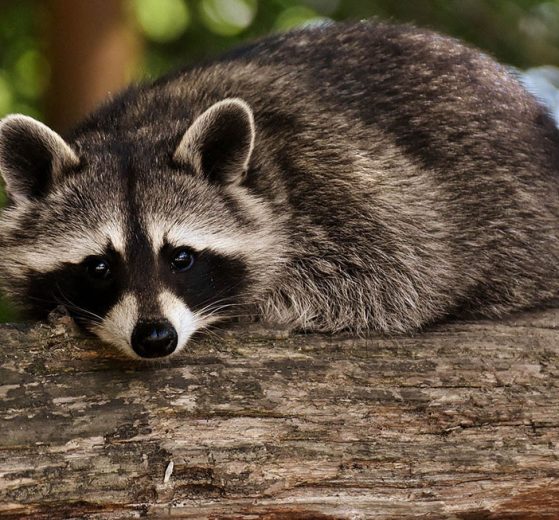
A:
365, 177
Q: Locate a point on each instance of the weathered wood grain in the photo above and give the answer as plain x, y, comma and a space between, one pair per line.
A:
461, 422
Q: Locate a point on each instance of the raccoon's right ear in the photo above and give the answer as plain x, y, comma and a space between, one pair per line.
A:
219, 143
31, 157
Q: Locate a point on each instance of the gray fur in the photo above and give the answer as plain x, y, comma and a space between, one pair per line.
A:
381, 178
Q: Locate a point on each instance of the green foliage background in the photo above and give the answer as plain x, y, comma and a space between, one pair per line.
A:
524, 33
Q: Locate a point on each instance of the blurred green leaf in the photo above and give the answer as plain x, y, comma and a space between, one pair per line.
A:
6, 95
31, 73
296, 16
162, 20
227, 17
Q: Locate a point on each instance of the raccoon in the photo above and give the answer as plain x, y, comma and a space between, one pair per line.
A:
366, 177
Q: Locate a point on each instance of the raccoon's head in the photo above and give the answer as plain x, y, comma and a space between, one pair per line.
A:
145, 239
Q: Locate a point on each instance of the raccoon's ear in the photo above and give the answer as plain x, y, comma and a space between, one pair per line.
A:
219, 143
31, 157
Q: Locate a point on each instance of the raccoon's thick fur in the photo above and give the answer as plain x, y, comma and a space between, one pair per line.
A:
364, 177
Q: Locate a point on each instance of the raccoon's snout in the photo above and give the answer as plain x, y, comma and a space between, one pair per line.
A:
154, 339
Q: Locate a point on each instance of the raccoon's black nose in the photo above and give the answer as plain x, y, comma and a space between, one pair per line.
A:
152, 339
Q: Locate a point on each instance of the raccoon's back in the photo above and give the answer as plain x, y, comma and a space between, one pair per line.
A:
443, 102
440, 99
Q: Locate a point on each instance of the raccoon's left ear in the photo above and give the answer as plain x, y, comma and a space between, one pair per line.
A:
31, 157
219, 143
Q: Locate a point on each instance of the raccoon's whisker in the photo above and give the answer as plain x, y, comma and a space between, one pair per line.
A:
215, 312
206, 331
220, 304
227, 309
84, 313
212, 309
209, 307
225, 299
78, 310
44, 300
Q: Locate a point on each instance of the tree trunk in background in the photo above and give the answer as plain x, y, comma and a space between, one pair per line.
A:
93, 50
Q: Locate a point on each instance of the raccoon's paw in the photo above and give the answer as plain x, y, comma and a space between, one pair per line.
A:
61, 322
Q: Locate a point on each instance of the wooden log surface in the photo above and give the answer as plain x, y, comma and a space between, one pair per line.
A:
460, 422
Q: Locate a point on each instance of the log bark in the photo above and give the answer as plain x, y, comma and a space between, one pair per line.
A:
460, 422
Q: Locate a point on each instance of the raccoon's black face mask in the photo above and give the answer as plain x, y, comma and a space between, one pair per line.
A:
144, 248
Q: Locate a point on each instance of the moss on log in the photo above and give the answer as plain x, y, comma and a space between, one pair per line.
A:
461, 422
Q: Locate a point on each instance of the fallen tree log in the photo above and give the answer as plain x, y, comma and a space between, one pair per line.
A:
460, 422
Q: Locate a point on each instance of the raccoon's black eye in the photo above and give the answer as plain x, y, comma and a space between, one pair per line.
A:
182, 260
97, 268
